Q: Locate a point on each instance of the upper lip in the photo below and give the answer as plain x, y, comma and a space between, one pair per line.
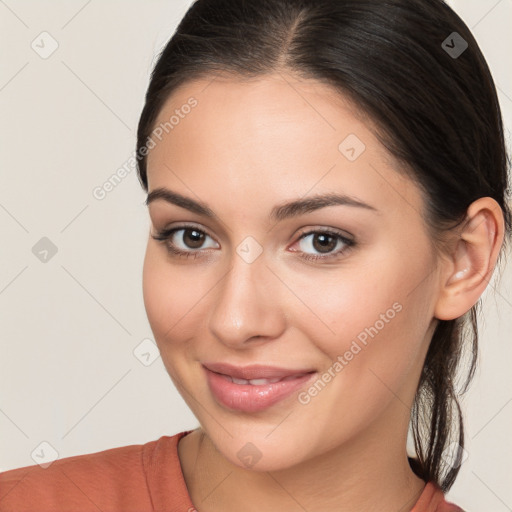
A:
255, 371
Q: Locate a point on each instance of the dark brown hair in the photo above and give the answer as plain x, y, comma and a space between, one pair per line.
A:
435, 111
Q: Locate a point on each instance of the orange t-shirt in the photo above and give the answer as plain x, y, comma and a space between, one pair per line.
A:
135, 478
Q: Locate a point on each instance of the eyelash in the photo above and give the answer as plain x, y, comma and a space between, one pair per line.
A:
165, 235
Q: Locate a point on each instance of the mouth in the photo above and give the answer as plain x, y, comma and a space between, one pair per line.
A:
253, 388
255, 372
260, 382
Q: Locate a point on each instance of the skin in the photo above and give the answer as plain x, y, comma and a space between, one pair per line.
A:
246, 147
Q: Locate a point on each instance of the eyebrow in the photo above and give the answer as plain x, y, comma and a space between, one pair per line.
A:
280, 212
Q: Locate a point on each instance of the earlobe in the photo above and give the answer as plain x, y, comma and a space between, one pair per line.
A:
470, 266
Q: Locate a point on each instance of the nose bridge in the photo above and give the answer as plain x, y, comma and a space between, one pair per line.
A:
246, 304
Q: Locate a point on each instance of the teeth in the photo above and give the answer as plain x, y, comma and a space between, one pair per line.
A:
254, 382
239, 381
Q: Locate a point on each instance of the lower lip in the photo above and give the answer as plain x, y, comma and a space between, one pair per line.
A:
249, 398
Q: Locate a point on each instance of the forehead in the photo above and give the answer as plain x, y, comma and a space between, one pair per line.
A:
273, 137
273, 104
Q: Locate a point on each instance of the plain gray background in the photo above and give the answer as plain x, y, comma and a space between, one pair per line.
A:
72, 325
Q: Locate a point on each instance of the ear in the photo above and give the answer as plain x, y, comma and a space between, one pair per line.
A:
466, 273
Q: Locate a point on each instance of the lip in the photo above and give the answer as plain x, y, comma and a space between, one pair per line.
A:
254, 398
255, 371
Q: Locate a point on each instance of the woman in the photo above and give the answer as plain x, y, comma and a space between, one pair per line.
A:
327, 188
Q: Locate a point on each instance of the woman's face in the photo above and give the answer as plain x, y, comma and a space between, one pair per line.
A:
359, 317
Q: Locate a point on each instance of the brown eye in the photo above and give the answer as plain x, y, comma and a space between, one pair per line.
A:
186, 241
324, 242
192, 238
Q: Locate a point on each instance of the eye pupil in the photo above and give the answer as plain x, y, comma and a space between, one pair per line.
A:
323, 238
194, 241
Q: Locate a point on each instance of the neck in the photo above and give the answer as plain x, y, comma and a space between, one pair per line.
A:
369, 472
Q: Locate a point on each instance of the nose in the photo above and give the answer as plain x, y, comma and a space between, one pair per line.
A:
247, 309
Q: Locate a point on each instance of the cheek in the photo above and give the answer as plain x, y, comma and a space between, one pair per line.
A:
165, 293
371, 360
344, 305
372, 322
154, 290
175, 297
